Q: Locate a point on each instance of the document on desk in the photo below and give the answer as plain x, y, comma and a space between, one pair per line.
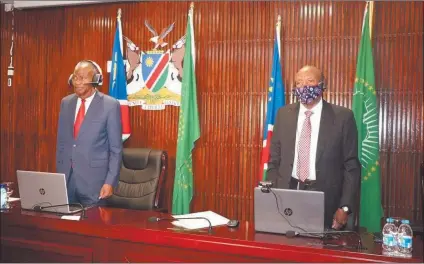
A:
214, 218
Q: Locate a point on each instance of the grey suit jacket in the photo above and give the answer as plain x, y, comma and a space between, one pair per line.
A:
96, 154
337, 165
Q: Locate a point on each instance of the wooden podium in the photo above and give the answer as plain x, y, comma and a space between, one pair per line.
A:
119, 235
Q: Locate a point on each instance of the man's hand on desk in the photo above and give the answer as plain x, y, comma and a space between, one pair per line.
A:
340, 219
106, 191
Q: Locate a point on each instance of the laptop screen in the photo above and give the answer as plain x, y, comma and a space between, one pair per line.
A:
42, 189
282, 210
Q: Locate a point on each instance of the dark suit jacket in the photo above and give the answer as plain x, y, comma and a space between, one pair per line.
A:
337, 166
96, 153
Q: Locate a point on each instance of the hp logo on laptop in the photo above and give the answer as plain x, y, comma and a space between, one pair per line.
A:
42, 191
288, 211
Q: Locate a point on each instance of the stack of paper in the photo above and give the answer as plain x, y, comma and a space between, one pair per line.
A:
214, 218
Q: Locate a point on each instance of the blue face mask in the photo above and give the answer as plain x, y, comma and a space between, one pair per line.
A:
307, 94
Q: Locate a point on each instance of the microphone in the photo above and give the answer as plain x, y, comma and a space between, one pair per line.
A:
39, 208
292, 233
157, 219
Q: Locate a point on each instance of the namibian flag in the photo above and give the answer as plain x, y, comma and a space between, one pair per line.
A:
275, 101
118, 82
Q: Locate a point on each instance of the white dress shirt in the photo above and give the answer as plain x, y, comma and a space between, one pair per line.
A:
88, 101
315, 122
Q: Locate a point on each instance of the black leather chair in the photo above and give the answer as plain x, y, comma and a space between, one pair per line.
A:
141, 181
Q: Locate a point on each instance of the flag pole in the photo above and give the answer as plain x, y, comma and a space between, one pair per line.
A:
278, 26
191, 14
118, 18
371, 10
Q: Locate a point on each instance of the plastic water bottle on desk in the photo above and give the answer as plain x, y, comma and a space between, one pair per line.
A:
405, 238
390, 237
3, 197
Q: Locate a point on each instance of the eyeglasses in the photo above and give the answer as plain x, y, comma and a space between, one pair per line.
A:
76, 78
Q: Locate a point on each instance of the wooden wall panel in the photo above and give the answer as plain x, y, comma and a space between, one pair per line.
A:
234, 42
398, 49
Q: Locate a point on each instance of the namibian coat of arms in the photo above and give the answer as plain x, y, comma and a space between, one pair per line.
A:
154, 76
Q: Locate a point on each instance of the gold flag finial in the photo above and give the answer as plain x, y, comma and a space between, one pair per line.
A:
192, 5
119, 13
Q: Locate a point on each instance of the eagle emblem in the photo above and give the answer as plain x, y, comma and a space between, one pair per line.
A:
158, 39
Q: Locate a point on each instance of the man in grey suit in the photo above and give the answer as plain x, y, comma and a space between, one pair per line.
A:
89, 138
315, 147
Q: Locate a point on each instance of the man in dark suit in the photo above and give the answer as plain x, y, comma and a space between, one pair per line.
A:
89, 138
315, 147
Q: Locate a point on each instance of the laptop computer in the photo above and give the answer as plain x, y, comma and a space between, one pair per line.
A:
297, 211
44, 189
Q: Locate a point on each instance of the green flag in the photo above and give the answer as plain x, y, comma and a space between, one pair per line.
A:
188, 128
365, 109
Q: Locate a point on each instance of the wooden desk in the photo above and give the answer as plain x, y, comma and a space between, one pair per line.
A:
119, 235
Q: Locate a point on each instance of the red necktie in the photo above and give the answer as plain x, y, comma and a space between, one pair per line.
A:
304, 149
80, 118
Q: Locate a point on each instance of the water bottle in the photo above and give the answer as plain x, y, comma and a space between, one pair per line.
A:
389, 237
405, 238
3, 197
